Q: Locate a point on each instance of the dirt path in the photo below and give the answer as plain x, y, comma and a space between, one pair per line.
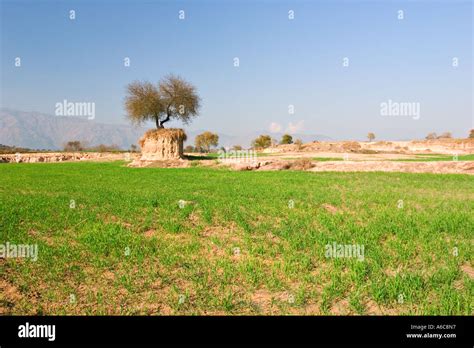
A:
451, 167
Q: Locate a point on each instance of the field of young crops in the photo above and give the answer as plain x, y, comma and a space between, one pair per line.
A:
118, 240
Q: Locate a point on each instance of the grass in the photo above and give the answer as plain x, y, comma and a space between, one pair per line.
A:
437, 157
318, 159
324, 159
242, 243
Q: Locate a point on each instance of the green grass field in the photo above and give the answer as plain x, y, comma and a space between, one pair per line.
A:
419, 158
437, 157
244, 242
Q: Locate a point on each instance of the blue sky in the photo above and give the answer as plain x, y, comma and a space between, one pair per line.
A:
282, 62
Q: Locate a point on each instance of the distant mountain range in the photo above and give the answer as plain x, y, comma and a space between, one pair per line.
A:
41, 131
36, 130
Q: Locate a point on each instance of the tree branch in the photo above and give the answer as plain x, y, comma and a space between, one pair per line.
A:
168, 114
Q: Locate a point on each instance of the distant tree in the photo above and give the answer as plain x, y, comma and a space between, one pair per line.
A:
206, 140
133, 148
286, 139
73, 146
237, 148
189, 149
445, 135
371, 136
173, 98
431, 136
471, 134
263, 141
105, 148
14, 149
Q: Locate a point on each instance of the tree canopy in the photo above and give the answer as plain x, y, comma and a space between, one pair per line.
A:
172, 98
262, 141
286, 139
205, 140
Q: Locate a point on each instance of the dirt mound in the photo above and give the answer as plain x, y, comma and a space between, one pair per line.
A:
350, 146
162, 144
302, 164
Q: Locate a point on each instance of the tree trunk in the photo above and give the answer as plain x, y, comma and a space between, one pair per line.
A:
165, 120
158, 123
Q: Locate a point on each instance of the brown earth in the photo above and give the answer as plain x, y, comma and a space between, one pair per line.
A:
38, 157
366, 157
162, 144
356, 157
441, 167
439, 146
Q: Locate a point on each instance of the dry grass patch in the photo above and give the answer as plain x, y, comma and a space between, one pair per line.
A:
171, 133
9, 297
373, 308
265, 300
468, 270
330, 208
341, 307
302, 164
150, 233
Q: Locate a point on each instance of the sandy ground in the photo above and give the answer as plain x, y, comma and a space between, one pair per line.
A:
356, 157
441, 167
344, 156
459, 167
38, 157
438, 146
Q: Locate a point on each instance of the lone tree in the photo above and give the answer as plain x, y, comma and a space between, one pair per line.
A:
286, 139
371, 136
189, 149
73, 146
262, 141
431, 136
471, 134
172, 98
205, 140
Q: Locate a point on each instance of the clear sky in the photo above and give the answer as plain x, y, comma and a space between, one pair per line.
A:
283, 61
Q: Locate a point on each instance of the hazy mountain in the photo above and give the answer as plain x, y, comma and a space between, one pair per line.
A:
42, 131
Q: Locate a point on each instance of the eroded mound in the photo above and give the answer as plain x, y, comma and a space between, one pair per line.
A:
161, 145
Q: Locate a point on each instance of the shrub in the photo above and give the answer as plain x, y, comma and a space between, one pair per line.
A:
286, 139
262, 142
